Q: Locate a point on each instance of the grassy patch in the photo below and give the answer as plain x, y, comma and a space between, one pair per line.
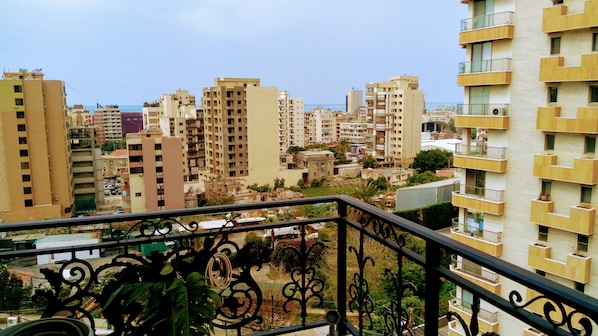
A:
326, 191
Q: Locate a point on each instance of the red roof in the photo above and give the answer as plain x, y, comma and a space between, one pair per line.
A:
119, 152
23, 275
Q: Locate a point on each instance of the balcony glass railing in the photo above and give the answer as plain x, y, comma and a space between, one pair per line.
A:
482, 193
498, 64
273, 277
498, 110
473, 229
487, 21
481, 151
486, 315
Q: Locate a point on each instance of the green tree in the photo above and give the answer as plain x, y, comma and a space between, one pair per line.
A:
295, 149
431, 160
369, 162
278, 183
220, 199
381, 182
12, 291
425, 177
366, 191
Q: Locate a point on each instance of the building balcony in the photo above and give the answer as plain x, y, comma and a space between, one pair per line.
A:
77, 170
580, 220
584, 170
556, 18
485, 279
164, 247
480, 199
487, 320
481, 157
491, 27
553, 69
485, 72
488, 116
549, 120
470, 234
575, 268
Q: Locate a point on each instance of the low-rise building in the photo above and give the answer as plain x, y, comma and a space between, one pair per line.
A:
319, 164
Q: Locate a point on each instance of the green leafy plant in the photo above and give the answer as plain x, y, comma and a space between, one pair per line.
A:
169, 301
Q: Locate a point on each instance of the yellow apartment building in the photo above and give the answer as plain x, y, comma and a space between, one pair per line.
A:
36, 179
156, 170
394, 118
241, 132
528, 188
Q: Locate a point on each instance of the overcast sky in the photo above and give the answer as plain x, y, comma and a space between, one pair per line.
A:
129, 51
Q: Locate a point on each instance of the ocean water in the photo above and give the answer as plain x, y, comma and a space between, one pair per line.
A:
138, 108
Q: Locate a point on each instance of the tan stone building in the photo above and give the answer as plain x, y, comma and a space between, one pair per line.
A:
109, 123
241, 132
320, 126
528, 187
319, 164
394, 117
156, 170
114, 163
36, 180
80, 116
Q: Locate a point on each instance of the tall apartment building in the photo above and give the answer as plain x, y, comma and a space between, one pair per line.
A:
241, 132
320, 126
155, 177
36, 181
528, 192
290, 121
394, 117
109, 123
86, 157
176, 115
353, 101
79, 116
354, 132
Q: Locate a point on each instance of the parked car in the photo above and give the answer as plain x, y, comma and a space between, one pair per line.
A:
119, 211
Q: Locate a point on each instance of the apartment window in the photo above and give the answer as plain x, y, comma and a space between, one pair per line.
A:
557, 2
553, 94
27, 190
159, 169
21, 128
19, 88
22, 140
158, 146
540, 272
28, 203
26, 178
555, 45
546, 188
595, 42
590, 145
160, 203
549, 142
542, 233
593, 94
137, 194
580, 286
19, 101
24, 165
582, 244
586, 195
158, 158
24, 153
20, 114
160, 180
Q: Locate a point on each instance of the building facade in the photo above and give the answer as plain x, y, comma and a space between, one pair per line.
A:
109, 123
290, 121
528, 185
86, 157
80, 116
132, 122
354, 100
320, 126
36, 179
156, 170
394, 117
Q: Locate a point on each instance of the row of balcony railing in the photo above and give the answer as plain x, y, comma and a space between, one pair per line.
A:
487, 21
357, 232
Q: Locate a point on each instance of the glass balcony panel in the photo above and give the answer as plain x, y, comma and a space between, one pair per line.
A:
491, 20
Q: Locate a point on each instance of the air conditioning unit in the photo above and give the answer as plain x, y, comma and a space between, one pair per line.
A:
140, 175
498, 111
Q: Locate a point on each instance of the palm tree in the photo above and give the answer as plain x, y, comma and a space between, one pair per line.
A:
366, 191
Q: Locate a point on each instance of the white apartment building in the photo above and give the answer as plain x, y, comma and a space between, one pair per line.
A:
320, 126
528, 187
290, 121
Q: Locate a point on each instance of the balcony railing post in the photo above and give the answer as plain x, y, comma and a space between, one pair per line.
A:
341, 294
432, 300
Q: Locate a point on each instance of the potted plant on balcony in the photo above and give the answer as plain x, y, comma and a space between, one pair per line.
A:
159, 299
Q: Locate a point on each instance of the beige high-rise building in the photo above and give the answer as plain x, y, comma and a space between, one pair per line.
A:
528, 192
156, 170
80, 116
36, 181
290, 121
241, 132
394, 117
320, 126
354, 100
176, 115
109, 123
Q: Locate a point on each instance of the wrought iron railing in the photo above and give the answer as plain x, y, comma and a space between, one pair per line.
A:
360, 239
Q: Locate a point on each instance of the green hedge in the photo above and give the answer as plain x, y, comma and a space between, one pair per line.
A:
435, 217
